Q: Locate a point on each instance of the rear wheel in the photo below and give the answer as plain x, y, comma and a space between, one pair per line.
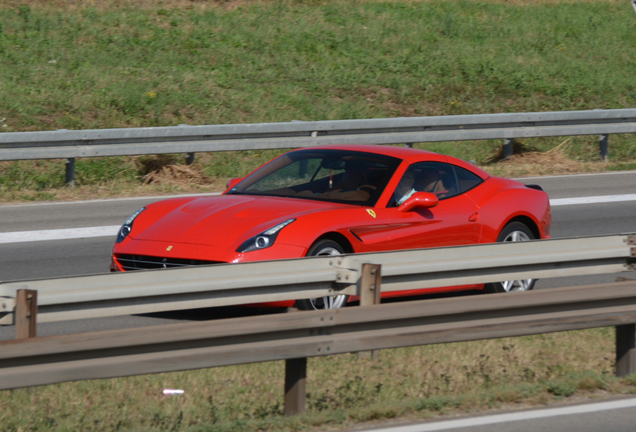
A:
324, 248
513, 232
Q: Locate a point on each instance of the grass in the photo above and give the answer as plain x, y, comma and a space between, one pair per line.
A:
278, 61
408, 384
140, 63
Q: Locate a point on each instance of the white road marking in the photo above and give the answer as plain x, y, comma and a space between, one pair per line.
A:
592, 200
58, 234
576, 175
510, 417
107, 231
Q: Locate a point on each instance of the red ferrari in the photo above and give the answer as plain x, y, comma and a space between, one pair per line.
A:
333, 200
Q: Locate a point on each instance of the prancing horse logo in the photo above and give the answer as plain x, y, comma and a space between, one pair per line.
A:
371, 212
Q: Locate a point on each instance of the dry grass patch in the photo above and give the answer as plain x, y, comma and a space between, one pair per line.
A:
529, 162
165, 169
177, 174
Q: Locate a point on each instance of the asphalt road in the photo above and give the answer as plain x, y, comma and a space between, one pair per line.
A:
44, 259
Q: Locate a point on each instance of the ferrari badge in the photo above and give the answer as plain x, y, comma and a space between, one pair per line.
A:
169, 248
371, 212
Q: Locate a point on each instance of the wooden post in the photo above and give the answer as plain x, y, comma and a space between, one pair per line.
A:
625, 349
295, 386
370, 291
26, 309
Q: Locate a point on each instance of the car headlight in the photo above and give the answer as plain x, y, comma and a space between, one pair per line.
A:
264, 239
127, 226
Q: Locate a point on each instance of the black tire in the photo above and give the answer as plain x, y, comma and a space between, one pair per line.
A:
514, 231
322, 248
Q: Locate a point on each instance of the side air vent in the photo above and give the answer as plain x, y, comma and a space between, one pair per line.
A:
533, 186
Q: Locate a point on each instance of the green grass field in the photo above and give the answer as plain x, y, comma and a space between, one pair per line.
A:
278, 61
128, 64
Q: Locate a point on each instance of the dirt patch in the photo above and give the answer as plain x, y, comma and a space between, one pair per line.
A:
555, 157
177, 175
519, 149
529, 162
165, 169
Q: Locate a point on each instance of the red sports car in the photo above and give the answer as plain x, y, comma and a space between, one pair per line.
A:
333, 200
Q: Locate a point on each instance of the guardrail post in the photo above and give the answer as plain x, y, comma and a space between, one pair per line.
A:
409, 145
370, 291
625, 349
295, 386
370, 281
602, 144
26, 309
70, 172
508, 148
189, 160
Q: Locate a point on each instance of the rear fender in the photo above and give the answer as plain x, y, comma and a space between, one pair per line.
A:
528, 206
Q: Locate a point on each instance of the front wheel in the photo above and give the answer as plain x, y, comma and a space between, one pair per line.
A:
513, 232
324, 248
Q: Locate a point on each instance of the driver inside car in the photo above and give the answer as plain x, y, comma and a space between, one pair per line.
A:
422, 180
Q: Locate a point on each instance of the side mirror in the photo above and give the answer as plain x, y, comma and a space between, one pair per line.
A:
419, 200
232, 182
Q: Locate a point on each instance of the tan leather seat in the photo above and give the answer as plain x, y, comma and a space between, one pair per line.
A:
429, 181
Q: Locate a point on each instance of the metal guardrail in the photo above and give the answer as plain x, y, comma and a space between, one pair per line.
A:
296, 336
66, 144
139, 292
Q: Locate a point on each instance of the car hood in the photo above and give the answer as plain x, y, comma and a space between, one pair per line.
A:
224, 220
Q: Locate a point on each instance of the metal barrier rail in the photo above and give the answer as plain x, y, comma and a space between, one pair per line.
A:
65, 144
296, 336
68, 298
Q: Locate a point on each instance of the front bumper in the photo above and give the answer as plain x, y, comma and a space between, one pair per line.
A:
158, 254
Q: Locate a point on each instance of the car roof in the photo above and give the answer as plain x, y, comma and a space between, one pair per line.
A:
387, 150
406, 153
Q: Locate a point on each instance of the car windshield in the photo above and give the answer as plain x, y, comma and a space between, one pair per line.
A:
340, 176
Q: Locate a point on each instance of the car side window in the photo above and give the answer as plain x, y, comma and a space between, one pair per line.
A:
466, 179
293, 174
434, 177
